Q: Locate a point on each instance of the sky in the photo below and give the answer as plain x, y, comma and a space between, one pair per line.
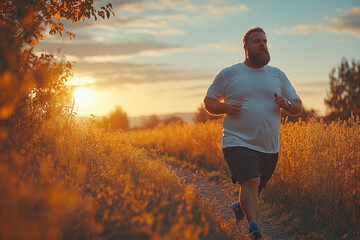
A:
160, 56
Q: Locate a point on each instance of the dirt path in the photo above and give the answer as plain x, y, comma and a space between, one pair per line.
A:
223, 198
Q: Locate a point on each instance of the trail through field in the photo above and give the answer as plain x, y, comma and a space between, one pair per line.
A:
222, 199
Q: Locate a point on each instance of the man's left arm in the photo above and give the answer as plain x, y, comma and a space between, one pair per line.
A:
295, 107
292, 107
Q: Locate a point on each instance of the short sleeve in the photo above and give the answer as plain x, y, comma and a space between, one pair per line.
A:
288, 90
216, 89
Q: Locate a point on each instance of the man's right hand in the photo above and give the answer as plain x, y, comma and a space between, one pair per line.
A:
233, 109
216, 107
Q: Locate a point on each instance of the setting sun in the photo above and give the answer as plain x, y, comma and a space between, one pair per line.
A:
83, 96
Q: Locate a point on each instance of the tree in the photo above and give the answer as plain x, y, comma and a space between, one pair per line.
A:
343, 98
117, 119
202, 115
21, 25
32, 87
28, 16
151, 122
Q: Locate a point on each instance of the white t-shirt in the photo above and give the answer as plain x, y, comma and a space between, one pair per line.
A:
258, 123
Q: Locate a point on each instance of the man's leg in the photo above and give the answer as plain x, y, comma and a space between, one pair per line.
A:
249, 198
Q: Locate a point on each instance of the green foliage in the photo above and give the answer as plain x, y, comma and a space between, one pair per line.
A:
343, 98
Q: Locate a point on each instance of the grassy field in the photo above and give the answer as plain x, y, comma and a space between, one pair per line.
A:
62, 180
65, 180
317, 179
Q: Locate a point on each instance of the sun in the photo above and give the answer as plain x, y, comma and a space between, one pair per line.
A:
83, 96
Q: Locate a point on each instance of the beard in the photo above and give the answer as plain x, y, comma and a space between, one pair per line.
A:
260, 59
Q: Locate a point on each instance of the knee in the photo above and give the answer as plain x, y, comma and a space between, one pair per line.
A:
253, 182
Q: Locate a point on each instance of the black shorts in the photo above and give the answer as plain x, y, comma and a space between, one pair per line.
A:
245, 163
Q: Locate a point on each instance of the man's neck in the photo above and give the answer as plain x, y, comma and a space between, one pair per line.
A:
249, 63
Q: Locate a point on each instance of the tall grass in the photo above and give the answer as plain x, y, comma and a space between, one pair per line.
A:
199, 143
63, 180
319, 173
317, 176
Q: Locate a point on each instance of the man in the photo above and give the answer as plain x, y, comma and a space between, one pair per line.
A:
251, 94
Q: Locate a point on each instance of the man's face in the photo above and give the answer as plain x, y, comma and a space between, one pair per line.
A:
256, 49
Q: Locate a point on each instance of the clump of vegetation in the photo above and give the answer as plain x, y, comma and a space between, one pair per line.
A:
343, 97
116, 120
199, 143
318, 175
71, 182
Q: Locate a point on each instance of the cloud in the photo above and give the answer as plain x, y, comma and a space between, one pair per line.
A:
314, 88
121, 57
223, 46
101, 51
161, 52
197, 87
150, 5
156, 25
313, 93
155, 17
216, 7
313, 84
159, 24
348, 22
165, 32
153, 21
110, 74
93, 49
159, 18
124, 4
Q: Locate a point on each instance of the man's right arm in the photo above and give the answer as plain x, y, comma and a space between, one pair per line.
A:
215, 107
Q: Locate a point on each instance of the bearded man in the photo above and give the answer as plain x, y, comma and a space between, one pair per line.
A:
251, 95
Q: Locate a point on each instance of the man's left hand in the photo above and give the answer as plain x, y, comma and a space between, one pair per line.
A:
281, 101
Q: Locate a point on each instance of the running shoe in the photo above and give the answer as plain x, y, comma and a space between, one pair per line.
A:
254, 231
239, 214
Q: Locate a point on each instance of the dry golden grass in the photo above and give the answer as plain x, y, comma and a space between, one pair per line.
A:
62, 180
199, 143
317, 176
319, 172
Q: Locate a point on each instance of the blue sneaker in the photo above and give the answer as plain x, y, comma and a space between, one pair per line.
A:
254, 231
239, 214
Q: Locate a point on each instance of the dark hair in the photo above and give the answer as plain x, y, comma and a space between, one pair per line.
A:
253, 29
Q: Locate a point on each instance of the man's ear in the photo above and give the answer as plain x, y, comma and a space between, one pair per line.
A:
245, 46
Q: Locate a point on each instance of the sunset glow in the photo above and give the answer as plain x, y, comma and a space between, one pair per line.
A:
80, 81
159, 57
83, 97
